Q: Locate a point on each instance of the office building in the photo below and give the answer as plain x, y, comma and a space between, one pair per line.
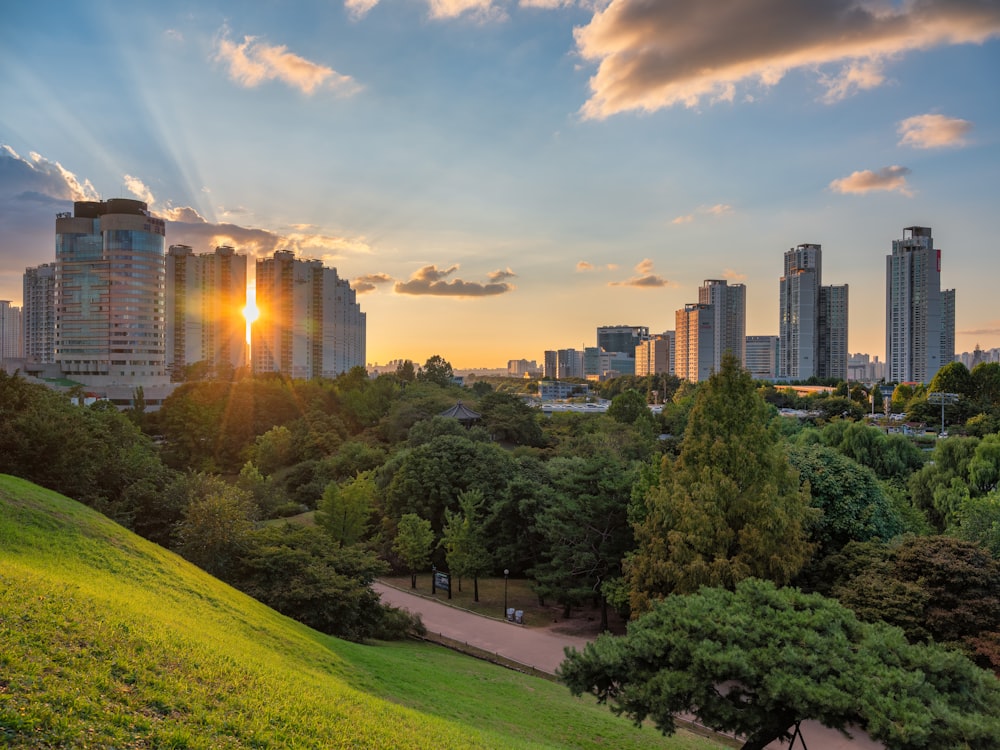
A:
551, 364
110, 294
729, 308
812, 319
694, 333
919, 317
39, 314
310, 323
762, 357
206, 297
569, 364
655, 355
621, 338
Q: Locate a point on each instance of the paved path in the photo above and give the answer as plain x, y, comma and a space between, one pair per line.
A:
543, 650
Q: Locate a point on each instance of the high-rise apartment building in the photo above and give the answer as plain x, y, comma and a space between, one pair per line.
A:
39, 313
812, 319
206, 296
310, 323
621, 338
729, 307
919, 317
569, 364
11, 339
655, 355
762, 357
110, 294
694, 357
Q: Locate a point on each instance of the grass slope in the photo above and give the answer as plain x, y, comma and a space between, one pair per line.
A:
107, 640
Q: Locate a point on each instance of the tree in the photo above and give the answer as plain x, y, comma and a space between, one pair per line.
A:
853, 505
437, 370
508, 419
345, 511
585, 528
760, 660
216, 525
729, 507
464, 540
628, 406
405, 371
414, 541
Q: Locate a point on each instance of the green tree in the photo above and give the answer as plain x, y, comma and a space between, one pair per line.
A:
760, 660
436, 370
628, 406
345, 510
508, 419
849, 497
583, 522
405, 371
464, 540
729, 507
215, 526
414, 542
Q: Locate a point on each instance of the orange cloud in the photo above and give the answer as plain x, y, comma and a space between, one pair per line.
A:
867, 181
644, 277
369, 282
933, 131
652, 55
252, 62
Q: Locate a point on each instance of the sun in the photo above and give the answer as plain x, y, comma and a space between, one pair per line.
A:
250, 312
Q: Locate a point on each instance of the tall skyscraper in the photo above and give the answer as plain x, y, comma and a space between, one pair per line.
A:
206, 295
762, 357
729, 307
919, 317
812, 319
40, 314
694, 357
109, 294
621, 338
310, 323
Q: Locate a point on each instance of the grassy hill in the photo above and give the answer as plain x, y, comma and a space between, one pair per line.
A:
109, 641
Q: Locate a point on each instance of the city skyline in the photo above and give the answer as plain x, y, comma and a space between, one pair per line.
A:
496, 179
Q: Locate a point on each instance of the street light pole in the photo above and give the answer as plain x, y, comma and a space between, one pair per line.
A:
506, 573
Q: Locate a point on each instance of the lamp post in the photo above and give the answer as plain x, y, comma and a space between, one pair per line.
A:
506, 573
942, 398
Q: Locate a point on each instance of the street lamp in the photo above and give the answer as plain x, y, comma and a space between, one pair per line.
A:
942, 398
506, 573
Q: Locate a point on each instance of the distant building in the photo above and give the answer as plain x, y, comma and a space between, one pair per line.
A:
729, 309
621, 338
569, 364
554, 390
695, 336
655, 355
206, 298
109, 294
812, 319
518, 368
11, 338
551, 365
762, 357
310, 323
39, 314
919, 317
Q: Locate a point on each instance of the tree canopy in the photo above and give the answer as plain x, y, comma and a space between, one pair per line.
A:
758, 660
729, 507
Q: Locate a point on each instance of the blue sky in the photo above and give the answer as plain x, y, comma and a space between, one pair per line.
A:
500, 178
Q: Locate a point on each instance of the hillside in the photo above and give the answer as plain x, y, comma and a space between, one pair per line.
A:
107, 640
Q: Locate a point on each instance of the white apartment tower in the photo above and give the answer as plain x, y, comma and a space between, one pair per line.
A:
310, 323
694, 357
110, 294
40, 314
729, 308
812, 319
919, 317
206, 296
11, 339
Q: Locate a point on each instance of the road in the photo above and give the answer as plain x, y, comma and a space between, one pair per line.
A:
544, 650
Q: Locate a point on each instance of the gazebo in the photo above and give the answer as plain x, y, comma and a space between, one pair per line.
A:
463, 414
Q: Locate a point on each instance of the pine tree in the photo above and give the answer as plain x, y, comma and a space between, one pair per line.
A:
728, 507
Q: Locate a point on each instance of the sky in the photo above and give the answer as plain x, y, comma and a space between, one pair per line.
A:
501, 177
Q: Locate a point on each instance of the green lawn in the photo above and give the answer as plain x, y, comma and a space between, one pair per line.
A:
107, 640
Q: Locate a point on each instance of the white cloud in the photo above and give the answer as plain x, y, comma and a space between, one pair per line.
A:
652, 55
933, 131
252, 62
359, 8
718, 209
482, 10
685, 219
866, 181
136, 186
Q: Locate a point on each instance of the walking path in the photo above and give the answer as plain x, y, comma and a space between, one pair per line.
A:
543, 650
